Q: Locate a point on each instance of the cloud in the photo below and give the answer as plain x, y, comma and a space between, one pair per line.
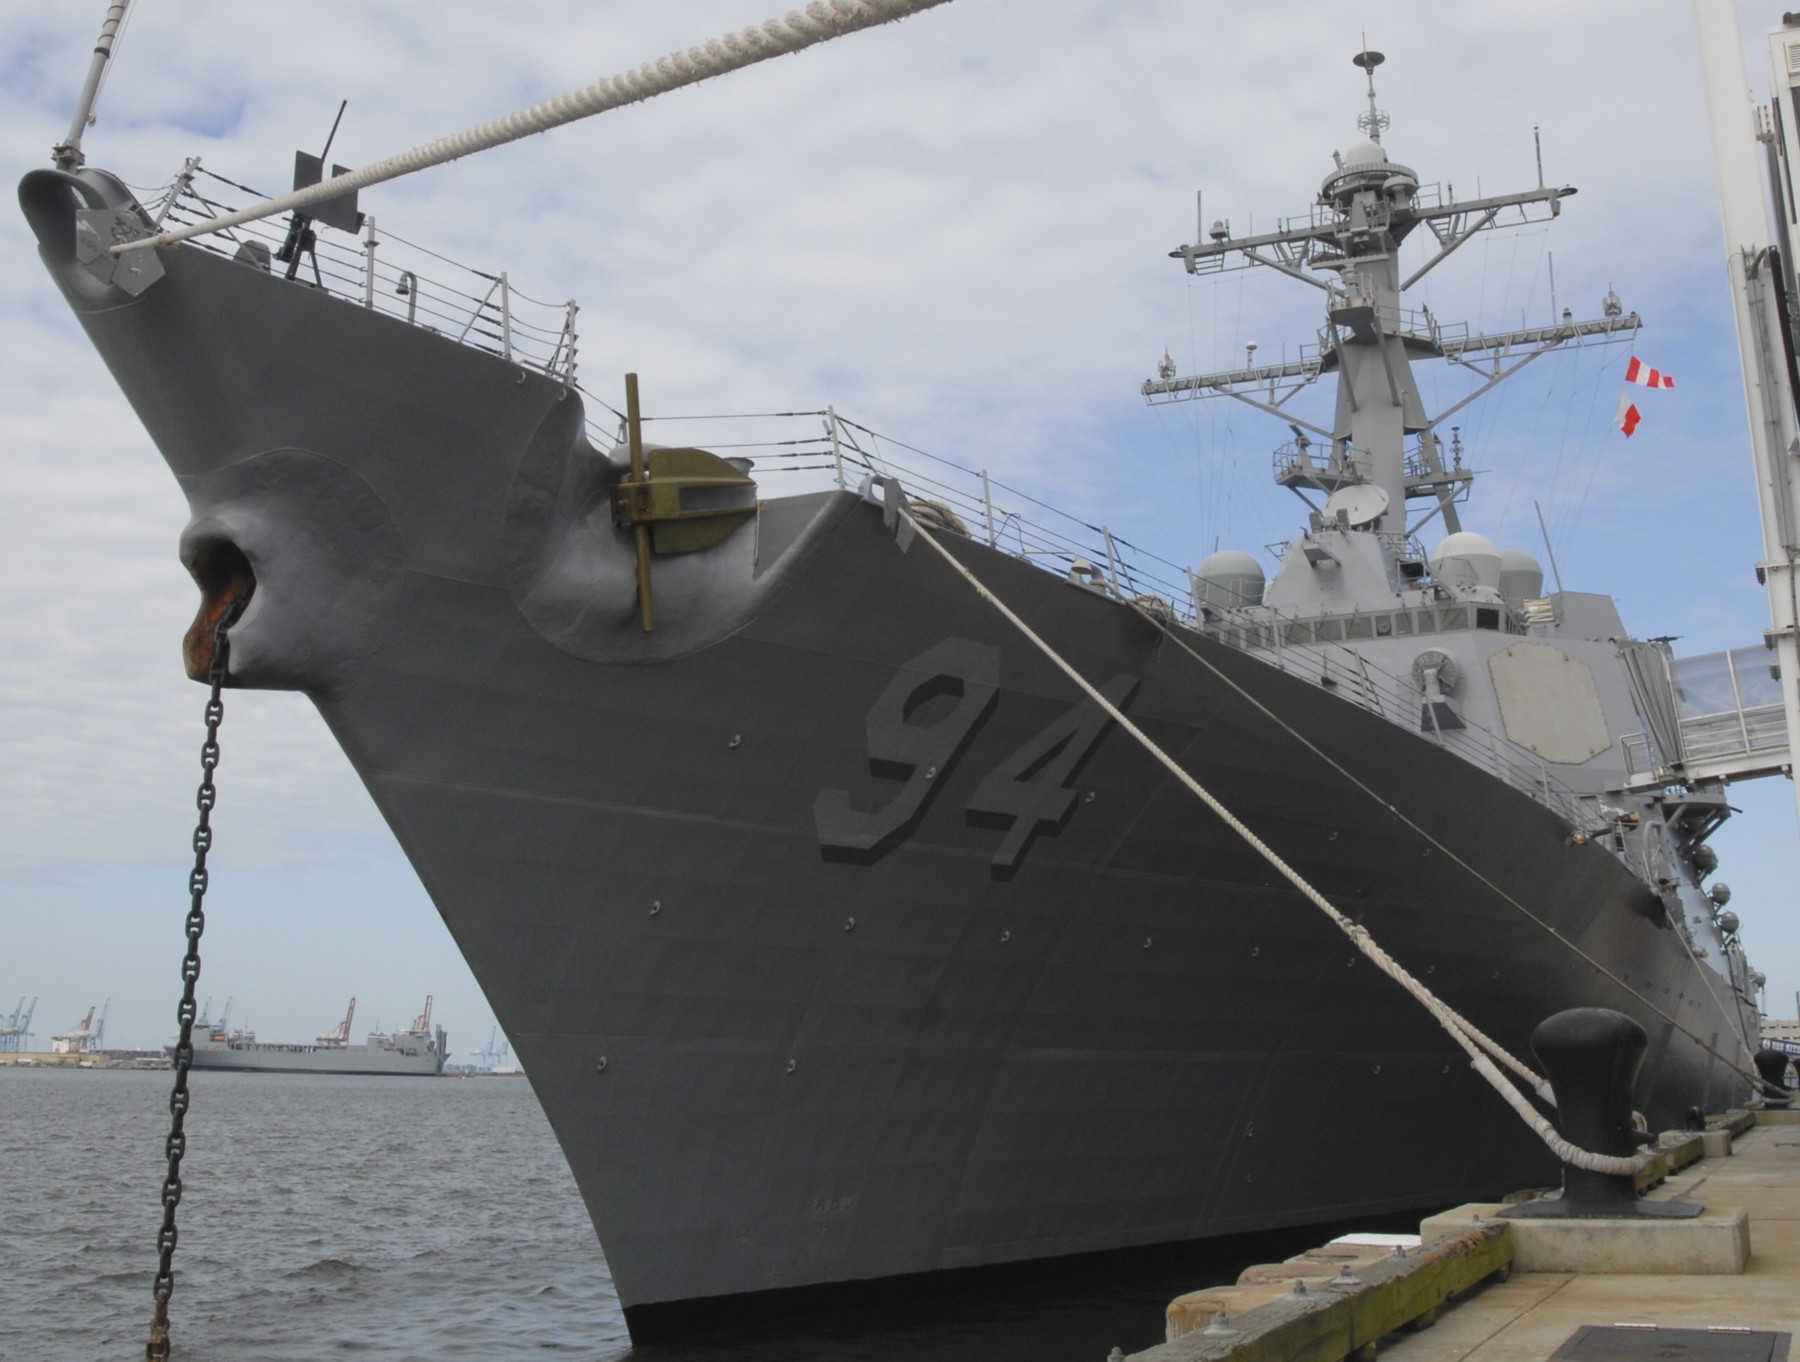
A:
955, 229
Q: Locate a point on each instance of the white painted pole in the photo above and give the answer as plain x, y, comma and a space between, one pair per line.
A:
67, 153
1732, 120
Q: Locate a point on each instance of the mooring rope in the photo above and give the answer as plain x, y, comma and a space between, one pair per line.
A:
802, 28
1469, 1038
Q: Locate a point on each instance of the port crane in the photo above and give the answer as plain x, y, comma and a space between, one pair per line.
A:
15, 1030
85, 1037
488, 1058
216, 1029
340, 1034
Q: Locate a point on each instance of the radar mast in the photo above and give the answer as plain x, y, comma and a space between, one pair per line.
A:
1348, 247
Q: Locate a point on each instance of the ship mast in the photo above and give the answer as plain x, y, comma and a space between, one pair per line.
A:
1365, 209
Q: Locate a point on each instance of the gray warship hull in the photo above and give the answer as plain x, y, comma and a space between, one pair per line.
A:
841, 937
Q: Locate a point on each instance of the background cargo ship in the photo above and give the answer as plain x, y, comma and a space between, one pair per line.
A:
417, 1049
852, 1093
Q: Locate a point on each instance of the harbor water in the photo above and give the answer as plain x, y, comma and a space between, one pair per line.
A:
391, 1218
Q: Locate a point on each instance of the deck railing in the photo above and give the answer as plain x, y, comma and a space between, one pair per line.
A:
386, 273
1353, 677
804, 450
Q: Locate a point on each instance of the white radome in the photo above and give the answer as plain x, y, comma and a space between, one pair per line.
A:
1467, 559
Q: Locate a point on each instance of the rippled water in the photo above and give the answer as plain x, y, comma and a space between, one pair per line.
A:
379, 1217
412, 1218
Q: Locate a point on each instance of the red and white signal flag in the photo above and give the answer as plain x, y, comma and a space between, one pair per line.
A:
1641, 373
1628, 415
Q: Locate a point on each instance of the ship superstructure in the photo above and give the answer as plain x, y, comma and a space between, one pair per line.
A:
1546, 690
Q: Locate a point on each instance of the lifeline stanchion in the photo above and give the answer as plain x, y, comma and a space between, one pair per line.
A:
157, 1349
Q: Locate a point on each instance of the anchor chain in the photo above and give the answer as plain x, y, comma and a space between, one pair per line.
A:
157, 1349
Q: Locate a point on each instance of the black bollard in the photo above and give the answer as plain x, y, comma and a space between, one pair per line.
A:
1591, 1056
1772, 1065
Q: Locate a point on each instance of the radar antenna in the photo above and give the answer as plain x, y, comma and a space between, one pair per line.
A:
1374, 122
1366, 208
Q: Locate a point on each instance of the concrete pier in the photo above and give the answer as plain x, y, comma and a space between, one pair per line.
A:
1483, 1289
1534, 1313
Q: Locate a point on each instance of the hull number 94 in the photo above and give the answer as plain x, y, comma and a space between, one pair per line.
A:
917, 732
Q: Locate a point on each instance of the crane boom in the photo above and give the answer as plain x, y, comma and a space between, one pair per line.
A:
340, 1034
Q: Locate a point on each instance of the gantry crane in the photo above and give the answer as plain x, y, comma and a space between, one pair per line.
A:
15, 1029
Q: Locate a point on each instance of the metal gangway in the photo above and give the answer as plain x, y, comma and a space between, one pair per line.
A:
1726, 722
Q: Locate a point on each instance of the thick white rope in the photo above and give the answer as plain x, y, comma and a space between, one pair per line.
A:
1459, 1029
802, 28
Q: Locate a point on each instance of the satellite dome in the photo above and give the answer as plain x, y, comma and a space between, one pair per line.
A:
1365, 152
1466, 559
1521, 576
1229, 579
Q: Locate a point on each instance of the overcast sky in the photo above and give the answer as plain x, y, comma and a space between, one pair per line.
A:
956, 231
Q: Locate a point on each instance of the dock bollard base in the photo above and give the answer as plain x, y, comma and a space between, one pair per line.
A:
1717, 1241
1555, 1208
